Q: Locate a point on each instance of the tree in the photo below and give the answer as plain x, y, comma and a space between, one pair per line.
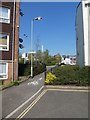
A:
57, 58
39, 55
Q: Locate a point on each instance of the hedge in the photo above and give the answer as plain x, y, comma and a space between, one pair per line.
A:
71, 75
25, 69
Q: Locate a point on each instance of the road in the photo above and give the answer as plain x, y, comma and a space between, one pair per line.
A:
58, 104
14, 97
32, 99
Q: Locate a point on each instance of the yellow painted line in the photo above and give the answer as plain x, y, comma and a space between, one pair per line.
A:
30, 106
72, 90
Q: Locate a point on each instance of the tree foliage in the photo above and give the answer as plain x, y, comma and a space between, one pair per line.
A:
48, 59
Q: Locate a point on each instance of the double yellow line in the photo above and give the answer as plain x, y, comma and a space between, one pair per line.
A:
30, 106
39, 97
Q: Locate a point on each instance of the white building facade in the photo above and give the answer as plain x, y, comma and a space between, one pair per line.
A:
71, 60
83, 33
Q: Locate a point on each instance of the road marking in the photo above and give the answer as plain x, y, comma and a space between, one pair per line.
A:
39, 97
8, 116
52, 89
30, 106
40, 78
35, 82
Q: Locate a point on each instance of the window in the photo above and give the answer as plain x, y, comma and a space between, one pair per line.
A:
3, 71
4, 15
4, 42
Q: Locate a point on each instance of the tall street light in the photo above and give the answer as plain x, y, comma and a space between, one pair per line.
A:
32, 26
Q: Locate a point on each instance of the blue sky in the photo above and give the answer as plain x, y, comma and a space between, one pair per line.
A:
56, 32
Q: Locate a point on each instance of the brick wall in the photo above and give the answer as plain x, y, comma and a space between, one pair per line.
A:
16, 44
16, 47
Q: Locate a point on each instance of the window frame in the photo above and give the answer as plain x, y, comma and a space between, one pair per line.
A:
5, 18
4, 74
8, 36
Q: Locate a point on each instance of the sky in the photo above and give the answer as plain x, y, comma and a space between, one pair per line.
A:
56, 31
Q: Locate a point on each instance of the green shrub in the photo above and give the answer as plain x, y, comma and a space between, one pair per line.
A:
65, 74
25, 69
21, 60
16, 83
1, 82
83, 75
71, 75
89, 75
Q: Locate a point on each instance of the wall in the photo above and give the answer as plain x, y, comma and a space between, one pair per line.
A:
16, 44
7, 28
85, 29
79, 36
7, 56
89, 36
83, 33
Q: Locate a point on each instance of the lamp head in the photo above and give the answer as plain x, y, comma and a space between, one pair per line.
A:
38, 18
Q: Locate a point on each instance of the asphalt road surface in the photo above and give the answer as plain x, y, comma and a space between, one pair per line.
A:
32, 100
58, 104
14, 97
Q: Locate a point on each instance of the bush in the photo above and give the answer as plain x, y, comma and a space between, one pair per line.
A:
25, 69
71, 75
50, 78
39, 68
66, 74
16, 83
83, 75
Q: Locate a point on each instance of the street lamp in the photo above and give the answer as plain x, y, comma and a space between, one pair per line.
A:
32, 26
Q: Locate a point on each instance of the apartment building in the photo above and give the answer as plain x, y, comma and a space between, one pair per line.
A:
69, 60
83, 33
9, 36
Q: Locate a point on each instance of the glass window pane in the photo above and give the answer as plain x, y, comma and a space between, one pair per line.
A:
2, 68
0, 11
3, 39
4, 12
3, 71
4, 15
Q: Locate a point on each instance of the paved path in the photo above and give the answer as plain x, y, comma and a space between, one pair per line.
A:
14, 97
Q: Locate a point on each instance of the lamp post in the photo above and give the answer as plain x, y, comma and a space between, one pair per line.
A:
32, 26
